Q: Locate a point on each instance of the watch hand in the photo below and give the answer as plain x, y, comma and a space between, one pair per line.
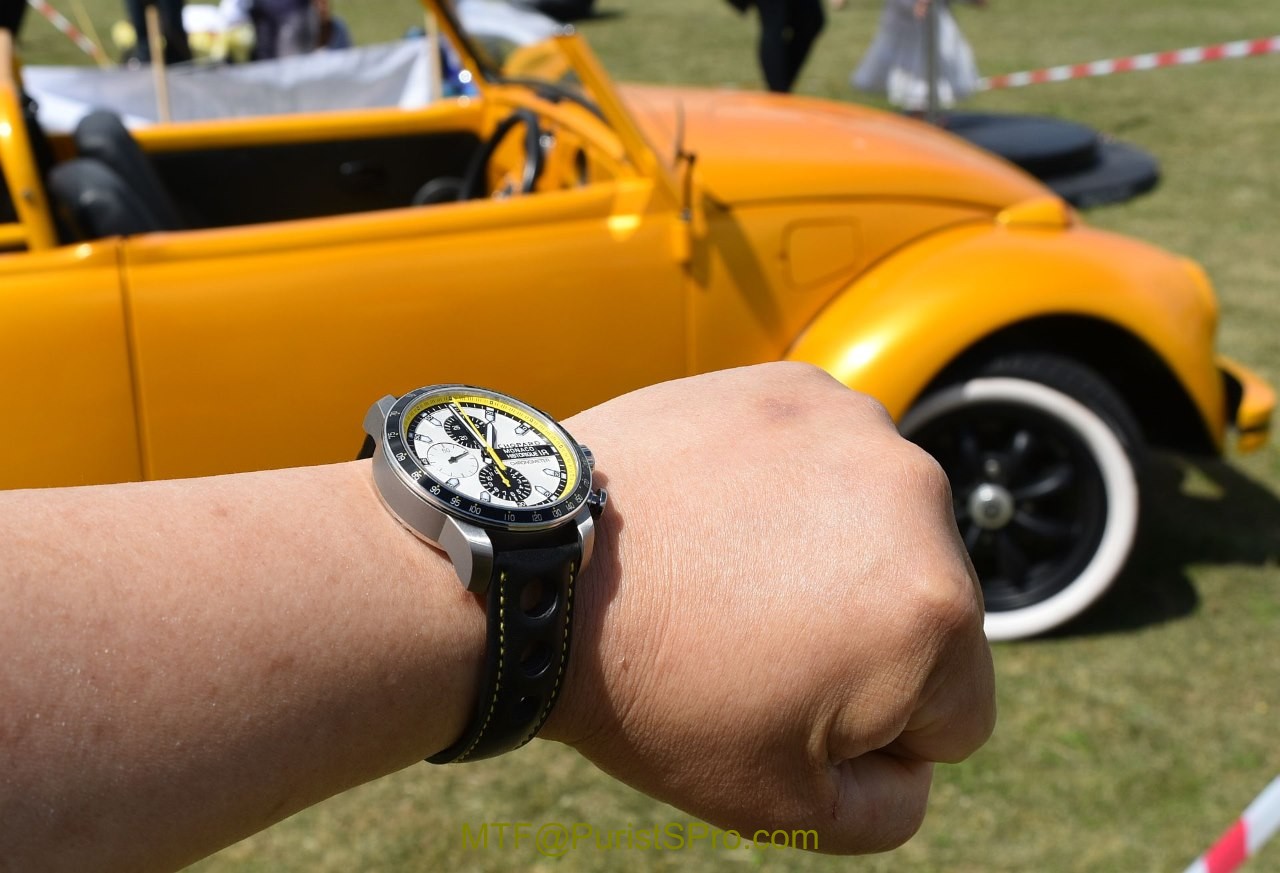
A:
456, 458
471, 426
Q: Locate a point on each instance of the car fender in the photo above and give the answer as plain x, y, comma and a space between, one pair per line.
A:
896, 328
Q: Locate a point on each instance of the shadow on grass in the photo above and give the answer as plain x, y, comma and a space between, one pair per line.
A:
1193, 512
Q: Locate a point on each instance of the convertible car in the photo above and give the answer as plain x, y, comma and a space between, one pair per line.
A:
174, 291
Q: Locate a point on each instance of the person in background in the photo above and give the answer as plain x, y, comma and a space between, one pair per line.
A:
896, 64
176, 48
788, 30
11, 12
284, 28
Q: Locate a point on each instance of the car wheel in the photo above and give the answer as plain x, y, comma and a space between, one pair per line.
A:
1042, 458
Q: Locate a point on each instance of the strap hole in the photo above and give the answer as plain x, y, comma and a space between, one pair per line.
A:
538, 599
535, 659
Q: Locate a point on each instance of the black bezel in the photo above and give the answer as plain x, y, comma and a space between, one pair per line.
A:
449, 501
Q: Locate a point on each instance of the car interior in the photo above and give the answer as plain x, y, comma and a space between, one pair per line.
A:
114, 188
102, 181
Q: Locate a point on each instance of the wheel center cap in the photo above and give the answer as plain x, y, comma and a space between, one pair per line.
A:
991, 506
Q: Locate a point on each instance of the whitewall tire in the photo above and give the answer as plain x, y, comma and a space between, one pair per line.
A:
1040, 453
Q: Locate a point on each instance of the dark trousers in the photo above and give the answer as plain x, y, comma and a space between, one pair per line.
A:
788, 29
11, 12
176, 49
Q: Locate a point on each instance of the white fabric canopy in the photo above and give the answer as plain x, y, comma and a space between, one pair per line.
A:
390, 74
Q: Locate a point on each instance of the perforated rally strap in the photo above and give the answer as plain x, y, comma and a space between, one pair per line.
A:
530, 604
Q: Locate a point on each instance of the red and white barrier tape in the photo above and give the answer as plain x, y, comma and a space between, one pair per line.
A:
73, 33
1244, 48
1243, 839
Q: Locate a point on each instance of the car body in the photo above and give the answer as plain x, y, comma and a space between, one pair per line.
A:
608, 239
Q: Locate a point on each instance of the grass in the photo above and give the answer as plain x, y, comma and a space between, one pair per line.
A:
1127, 742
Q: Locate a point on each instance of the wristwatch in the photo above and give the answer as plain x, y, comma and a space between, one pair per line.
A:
506, 493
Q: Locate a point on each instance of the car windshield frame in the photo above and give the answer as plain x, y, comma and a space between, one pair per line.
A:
487, 67
588, 84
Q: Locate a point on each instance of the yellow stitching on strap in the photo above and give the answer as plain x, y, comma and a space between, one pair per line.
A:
502, 649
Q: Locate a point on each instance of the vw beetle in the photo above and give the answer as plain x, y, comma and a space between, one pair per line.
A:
162, 291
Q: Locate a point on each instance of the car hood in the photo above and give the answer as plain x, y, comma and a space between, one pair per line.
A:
753, 146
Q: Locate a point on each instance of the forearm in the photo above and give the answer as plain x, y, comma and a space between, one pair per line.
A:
224, 653
778, 628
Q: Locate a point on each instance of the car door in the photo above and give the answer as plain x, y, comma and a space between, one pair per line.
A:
263, 346
66, 399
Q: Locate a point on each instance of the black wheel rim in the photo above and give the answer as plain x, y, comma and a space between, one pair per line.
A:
1030, 500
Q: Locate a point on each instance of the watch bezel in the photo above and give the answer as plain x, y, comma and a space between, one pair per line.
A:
412, 473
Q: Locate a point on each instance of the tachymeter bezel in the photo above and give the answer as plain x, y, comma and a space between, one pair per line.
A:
412, 472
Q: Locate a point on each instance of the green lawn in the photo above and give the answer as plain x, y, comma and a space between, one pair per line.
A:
1127, 743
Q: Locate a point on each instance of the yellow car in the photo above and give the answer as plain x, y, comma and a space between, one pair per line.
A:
556, 237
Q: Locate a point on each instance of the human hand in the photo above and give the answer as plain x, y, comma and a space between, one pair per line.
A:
772, 644
922, 8
838, 4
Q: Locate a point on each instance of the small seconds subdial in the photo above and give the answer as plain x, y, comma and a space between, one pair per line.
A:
508, 484
447, 461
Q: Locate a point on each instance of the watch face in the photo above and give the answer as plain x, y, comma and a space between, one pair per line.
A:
483, 455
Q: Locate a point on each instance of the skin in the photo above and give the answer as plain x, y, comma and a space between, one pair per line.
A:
780, 628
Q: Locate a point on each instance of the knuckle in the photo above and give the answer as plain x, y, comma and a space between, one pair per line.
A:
926, 474
949, 605
796, 371
870, 407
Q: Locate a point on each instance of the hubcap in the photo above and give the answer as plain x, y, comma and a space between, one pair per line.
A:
1029, 498
991, 507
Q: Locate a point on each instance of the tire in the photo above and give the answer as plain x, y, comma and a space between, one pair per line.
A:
1043, 456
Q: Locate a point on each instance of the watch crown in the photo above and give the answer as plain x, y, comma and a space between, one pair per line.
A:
596, 500
589, 455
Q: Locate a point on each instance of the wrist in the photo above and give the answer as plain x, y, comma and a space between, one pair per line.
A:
443, 642
619, 607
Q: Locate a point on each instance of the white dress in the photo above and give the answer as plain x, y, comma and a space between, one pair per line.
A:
896, 66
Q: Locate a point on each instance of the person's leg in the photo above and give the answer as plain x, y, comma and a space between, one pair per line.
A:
773, 43
176, 48
265, 34
299, 33
138, 18
11, 13
806, 21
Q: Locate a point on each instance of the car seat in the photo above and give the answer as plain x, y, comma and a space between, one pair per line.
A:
102, 136
96, 202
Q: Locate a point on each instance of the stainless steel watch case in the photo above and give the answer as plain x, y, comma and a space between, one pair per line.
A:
467, 543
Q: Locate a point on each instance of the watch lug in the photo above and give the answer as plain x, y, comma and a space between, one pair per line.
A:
586, 523
470, 550
375, 420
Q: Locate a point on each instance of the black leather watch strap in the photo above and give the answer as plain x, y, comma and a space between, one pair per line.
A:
530, 603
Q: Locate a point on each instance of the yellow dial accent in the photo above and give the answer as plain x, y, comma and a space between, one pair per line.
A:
551, 434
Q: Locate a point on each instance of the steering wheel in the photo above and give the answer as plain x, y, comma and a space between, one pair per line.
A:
473, 184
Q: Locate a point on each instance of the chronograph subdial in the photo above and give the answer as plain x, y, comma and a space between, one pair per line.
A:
461, 434
446, 461
508, 484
